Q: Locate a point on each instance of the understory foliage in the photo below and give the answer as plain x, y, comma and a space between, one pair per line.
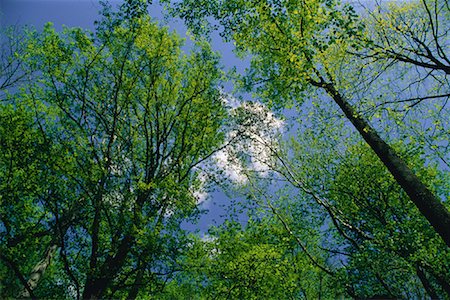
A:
340, 166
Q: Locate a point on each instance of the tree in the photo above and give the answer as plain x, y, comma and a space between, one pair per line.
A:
11, 48
298, 47
351, 221
101, 158
380, 239
335, 189
248, 262
340, 208
394, 242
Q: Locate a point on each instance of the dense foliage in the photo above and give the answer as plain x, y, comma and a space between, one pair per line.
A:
108, 137
98, 158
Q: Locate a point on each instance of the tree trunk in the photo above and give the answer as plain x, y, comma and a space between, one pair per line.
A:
96, 285
137, 285
38, 271
428, 204
426, 284
101, 277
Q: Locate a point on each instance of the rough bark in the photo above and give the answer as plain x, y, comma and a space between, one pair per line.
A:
428, 204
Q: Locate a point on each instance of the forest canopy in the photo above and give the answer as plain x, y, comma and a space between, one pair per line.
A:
333, 150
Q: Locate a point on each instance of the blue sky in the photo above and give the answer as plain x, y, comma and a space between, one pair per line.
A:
83, 13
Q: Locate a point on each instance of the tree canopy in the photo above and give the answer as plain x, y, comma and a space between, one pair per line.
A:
99, 156
337, 170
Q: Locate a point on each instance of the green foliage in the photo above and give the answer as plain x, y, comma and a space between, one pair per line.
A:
349, 223
99, 155
377, 241
290, 42
100, 149
249, 262
376, 68
392, 240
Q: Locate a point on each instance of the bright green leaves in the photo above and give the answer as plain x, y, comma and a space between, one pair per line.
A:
101, 150
49, 42
239, 263
288, 41
402, 31
100, 155
23, 185
400, 239
384, 234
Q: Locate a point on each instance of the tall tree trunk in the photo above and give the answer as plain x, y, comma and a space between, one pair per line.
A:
97, 284
38, 271
101, 277
137, 284
428, 204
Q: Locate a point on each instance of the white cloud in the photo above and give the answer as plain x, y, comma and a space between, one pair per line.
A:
254, 134
230, 166
200, 193
230, 101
